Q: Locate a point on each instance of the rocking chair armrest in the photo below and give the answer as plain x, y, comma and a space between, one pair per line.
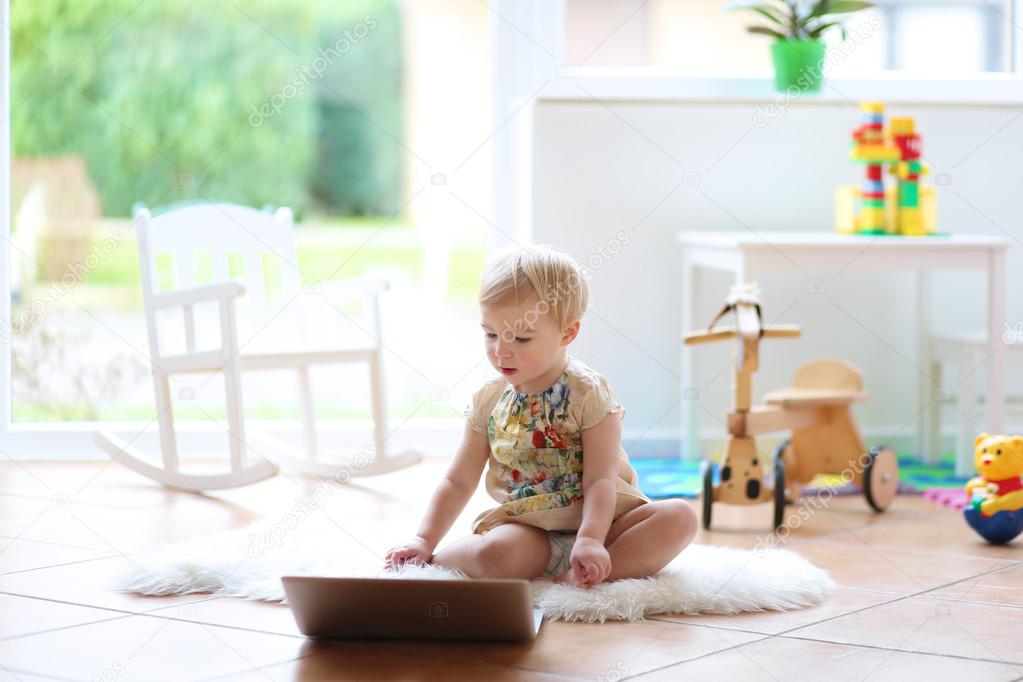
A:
220, 291
355, 287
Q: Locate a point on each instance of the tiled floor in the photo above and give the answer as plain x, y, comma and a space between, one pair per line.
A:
921, 596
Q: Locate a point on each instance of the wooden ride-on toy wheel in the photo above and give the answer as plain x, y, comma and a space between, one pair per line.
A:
783, 451
880, 477
779, 491
707, 473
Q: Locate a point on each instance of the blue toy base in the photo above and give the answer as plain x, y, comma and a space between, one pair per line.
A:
998, 529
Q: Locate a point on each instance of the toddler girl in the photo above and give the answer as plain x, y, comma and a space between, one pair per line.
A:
548, 431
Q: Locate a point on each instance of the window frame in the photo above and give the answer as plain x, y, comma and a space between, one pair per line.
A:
516, 75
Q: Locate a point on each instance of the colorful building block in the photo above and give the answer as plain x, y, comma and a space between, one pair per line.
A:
907, 208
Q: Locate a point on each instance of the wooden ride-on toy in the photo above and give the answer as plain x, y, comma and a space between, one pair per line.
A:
816, 408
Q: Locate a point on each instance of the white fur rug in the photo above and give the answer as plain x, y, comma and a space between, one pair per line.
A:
702, 579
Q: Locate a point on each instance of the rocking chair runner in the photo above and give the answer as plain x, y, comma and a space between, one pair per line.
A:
221, 230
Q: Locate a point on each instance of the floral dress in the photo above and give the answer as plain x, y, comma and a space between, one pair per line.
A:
535, 468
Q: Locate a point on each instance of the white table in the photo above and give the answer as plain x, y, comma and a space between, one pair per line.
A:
749, 254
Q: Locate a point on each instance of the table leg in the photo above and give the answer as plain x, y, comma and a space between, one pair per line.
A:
690, 441
746, 272
928, 451
966, 402
996, 343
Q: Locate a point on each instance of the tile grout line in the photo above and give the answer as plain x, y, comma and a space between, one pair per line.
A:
886, 520
849, 645
784, 633
794, 544
895, 598
15, 671
762, 636
554, 673
51, 542
921, 593
1011, 664
261, 669
147, 614
912, 516
64, 627
66, 563
907, 550
47, 501
868, 589
706, 626
123, 612
697, 658
826, 538
980, 602
343, 644
150, 614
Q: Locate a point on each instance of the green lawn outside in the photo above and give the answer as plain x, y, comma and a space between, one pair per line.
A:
324, 410
358, 247
335, 249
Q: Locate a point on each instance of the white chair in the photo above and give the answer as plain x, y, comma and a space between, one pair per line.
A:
967, 350
266, 244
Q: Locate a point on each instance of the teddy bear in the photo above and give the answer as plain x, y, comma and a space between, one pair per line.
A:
999, 461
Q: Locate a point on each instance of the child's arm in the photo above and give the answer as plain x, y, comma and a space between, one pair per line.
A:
601, 449
448, 501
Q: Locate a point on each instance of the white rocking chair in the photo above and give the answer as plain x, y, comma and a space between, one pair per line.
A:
221, 230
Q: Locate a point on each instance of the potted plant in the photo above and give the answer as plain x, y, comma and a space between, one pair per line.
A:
797, 26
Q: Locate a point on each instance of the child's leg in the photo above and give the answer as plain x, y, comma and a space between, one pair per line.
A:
644, 540
511, 550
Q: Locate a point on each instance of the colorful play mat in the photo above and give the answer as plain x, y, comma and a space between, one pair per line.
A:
663, 477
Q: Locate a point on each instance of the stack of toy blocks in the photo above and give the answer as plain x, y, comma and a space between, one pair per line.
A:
905, 208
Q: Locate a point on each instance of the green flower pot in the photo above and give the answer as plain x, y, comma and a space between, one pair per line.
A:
797, 65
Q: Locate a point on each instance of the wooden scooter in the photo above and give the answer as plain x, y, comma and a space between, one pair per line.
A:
816, 408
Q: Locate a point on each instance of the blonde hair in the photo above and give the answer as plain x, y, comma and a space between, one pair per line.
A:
555, 278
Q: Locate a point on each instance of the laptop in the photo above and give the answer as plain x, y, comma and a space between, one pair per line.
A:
398, 608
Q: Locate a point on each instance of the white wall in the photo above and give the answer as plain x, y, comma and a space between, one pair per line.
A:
595, 174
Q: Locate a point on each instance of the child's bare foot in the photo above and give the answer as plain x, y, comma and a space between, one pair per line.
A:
569, 578
564, 577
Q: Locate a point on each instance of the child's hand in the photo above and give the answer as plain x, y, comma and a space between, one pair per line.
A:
590, 562
416, 550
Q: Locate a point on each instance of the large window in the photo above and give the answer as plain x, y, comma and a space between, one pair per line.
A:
345, 112
930, 38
